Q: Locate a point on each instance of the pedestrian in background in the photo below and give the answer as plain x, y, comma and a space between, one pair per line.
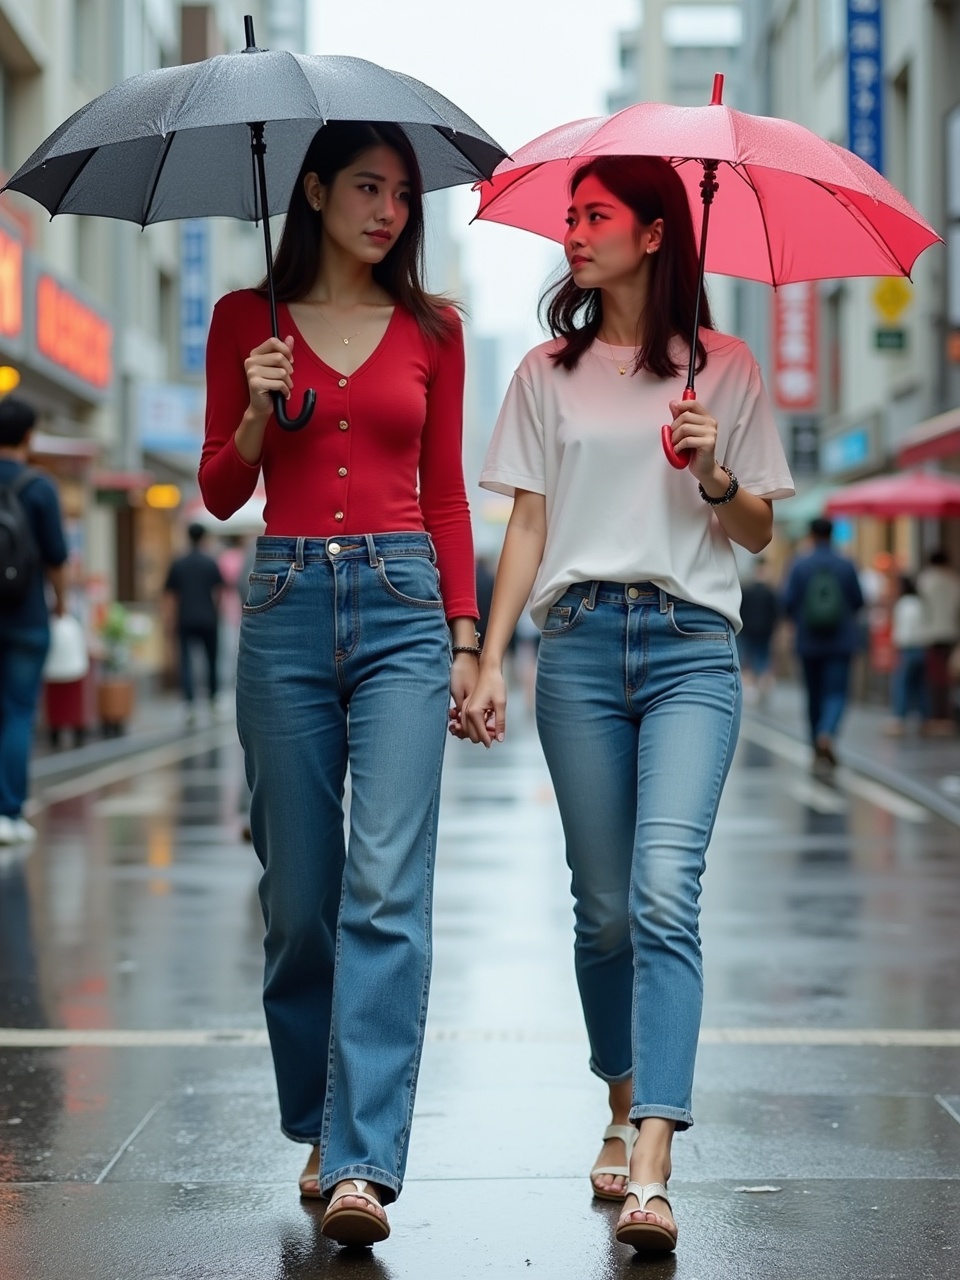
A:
345, 654
634, 584
192, 605
759, 614
909, 686
938, 585
33, 552
823, 598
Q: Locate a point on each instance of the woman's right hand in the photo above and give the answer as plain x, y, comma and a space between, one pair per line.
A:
484, 715
269, 368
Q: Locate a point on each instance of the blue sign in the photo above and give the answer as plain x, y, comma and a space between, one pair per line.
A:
865, 80
843, 452
195, 302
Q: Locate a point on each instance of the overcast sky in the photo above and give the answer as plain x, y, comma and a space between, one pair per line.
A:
518, 67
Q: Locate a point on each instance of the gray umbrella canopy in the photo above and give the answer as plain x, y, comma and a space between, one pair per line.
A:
175, 143
226, 137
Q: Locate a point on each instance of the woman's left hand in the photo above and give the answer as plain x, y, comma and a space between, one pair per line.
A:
463, 678
693, 428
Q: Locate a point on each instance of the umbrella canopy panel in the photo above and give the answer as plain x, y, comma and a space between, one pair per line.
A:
175, 143
914, 493
790, 205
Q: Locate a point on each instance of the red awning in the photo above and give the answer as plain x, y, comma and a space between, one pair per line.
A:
938, 437
917, 493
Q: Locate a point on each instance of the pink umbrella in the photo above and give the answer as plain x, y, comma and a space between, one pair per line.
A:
792, 206
914, 493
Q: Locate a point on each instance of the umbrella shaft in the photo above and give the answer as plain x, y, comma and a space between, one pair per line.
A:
708, 189
258, 146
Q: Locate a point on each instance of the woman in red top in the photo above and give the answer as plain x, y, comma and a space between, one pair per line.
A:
345, 648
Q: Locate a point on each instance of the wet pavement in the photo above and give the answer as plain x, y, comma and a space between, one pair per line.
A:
138, 1120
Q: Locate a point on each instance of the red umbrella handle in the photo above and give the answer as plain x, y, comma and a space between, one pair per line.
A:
685, 457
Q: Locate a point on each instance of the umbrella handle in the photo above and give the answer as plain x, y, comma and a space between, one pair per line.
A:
302, 418
685, 457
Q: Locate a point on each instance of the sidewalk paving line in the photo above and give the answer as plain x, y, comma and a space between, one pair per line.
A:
883, 793
121, 770
186, 1038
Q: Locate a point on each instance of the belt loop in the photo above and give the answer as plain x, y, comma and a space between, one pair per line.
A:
371, 550
298, 562
664, 601
433, 550
592, 597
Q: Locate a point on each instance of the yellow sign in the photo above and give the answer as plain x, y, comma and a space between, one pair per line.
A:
163, 497
9, 379
891, 297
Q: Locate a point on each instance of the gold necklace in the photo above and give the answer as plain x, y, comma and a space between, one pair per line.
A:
345, 341
621, 368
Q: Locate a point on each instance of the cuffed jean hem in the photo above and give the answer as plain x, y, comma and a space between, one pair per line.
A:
296, 1137
615, 1079
366, 1173
683, 1119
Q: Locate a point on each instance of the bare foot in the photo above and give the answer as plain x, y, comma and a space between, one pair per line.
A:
657, 1210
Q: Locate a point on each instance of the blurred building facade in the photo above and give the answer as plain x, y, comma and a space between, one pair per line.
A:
105, 324
879, 76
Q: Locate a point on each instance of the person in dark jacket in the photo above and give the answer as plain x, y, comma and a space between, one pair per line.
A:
823, 597
759, 614
194, 582
25, 622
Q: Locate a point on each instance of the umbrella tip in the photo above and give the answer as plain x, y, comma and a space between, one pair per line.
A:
248, 31
717, 99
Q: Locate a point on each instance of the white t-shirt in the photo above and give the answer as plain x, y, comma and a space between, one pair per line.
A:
589, 440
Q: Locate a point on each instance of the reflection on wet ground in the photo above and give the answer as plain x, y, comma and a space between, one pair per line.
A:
826, 909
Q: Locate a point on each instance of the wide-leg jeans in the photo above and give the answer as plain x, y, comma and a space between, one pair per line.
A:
345, 660
638, 709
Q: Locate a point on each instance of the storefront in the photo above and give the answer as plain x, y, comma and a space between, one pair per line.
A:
937, 441
56, 351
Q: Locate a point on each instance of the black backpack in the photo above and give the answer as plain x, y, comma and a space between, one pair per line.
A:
19, 554
824, 606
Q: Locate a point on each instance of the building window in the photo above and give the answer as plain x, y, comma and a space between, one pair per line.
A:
833, 344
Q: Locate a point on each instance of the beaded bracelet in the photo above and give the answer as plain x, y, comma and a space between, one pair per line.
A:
466, 648
724, 498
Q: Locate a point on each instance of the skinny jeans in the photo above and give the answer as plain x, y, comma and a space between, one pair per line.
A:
638, 709
344, 660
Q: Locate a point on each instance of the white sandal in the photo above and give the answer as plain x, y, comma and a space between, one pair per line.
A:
627, 1134
354, 1226
647, 1237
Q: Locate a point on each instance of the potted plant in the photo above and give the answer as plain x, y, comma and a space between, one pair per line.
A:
115, 691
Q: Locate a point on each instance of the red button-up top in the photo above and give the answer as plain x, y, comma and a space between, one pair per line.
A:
381, 454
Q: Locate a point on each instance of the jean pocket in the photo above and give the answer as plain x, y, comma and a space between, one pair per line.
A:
412, 580
695, 622
264, 590
564, 618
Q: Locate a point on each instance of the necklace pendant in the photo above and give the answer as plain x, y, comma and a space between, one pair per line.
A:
622, 371
346, 342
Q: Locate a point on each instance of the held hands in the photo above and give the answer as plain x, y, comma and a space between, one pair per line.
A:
693, 428
483, 717
269, 368
463, 678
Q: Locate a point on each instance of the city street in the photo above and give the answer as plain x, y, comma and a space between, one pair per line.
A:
138, 1121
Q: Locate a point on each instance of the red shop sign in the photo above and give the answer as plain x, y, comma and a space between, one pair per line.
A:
796, 356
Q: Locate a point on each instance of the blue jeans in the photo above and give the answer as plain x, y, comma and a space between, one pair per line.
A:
827, 679
345, 660
22, 654
638, 707
909, 691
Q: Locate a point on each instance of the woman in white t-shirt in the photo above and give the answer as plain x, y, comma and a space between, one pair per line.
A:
631, 575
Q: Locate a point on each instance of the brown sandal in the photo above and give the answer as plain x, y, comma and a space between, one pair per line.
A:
354, 1226
647, 1238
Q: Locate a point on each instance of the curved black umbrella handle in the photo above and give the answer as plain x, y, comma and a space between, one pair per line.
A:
302, 418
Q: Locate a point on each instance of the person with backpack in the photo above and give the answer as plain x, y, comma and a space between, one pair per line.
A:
32, 551
823, 597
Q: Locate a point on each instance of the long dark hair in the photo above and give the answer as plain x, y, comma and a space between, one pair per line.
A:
652, 188
334, 147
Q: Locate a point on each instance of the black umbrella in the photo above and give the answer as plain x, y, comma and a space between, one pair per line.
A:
192, 141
